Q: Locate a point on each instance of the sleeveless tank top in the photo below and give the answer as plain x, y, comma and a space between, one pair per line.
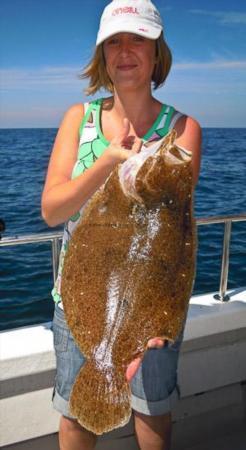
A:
92, 144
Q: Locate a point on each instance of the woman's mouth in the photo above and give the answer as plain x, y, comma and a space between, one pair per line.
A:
126, 67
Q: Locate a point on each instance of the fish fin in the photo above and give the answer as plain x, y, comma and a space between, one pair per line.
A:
100, 400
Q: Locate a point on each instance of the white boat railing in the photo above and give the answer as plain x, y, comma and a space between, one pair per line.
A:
55, 239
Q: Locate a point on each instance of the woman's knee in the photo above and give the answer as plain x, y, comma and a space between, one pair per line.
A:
70, 425
153, 432
161, 422
73, 436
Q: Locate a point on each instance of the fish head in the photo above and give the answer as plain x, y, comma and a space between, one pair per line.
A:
160, 172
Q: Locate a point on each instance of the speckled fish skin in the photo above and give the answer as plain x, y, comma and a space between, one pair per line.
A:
128, 277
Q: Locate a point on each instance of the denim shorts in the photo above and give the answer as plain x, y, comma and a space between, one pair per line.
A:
154, 387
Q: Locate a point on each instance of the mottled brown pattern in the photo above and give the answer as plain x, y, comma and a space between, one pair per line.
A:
128, 277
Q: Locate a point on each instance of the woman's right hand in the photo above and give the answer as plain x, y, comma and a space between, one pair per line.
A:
62, 196
124, 145
157, 342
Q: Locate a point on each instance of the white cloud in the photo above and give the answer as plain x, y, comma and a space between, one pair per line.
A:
211, 65
31, 79
39, 97
66, 78
224, 17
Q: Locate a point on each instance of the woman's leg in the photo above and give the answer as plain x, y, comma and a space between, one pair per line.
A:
154, 391
153, 432
69, 360
74, 437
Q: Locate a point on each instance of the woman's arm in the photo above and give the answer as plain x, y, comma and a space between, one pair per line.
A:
190, 137
63, 197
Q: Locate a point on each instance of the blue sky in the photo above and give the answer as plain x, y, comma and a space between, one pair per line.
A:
44, 45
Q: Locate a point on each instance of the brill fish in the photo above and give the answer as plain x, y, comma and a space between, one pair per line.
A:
128, 275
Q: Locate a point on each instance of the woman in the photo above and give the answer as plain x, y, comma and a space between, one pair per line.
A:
130, 56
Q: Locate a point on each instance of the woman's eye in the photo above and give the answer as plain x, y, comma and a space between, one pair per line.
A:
138, 38
113, 41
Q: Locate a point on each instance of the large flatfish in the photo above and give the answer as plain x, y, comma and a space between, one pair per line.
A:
128, 276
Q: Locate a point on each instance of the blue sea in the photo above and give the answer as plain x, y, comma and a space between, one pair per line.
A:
26, 270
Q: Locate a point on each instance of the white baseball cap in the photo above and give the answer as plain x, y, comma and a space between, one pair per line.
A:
130, 16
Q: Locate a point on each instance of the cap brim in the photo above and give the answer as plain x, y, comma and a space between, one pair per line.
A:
147, 31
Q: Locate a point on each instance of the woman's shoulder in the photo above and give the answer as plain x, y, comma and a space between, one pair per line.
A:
186, 125
78, 110
184, 121
74, 116
75, 111
189, 136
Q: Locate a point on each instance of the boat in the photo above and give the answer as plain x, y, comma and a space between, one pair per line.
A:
208, 414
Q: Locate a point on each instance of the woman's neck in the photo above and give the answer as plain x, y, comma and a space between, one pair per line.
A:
141, 110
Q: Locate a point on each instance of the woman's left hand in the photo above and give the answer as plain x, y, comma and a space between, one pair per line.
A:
131, 370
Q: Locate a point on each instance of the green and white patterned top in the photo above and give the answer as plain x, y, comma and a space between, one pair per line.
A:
92, 144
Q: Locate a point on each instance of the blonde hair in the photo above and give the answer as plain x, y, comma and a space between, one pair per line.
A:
98, 77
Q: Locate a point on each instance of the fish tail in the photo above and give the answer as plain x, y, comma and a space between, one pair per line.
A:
100, 398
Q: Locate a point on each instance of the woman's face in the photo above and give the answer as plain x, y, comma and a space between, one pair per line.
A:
130, 60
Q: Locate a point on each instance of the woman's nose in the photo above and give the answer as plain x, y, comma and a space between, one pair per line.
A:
124, 46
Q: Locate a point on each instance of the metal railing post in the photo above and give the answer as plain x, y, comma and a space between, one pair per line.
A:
225, 264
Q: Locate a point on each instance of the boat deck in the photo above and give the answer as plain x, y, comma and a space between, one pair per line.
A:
211, 411
209, 415
235, 441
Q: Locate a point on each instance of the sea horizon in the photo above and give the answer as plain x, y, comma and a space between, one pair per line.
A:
53, 128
